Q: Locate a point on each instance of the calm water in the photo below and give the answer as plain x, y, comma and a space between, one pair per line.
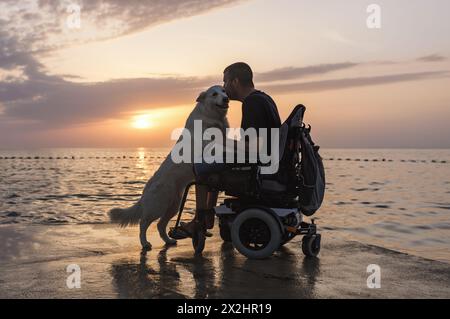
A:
401, 203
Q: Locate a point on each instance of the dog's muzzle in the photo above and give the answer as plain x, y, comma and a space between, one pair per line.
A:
225, 103
223, 106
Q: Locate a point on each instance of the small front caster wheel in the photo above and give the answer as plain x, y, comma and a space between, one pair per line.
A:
311, 245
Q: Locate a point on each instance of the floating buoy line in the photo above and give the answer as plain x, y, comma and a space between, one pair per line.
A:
162, 157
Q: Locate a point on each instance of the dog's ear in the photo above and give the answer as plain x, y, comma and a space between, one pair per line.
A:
201, 97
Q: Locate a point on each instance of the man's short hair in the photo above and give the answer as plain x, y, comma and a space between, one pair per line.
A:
242, 72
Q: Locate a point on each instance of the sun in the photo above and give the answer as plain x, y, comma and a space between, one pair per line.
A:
142, 122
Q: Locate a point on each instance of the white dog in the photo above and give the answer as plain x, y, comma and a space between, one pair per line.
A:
163, 193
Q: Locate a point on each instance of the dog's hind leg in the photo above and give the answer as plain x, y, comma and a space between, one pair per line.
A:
143, 226
162, 229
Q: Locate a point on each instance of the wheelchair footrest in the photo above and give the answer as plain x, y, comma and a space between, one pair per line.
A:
303, 229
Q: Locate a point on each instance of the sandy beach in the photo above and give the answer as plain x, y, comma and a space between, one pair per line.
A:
34, 262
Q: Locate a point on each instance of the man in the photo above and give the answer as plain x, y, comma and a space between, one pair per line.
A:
258, 111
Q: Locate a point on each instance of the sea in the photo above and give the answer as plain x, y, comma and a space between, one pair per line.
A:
395, 198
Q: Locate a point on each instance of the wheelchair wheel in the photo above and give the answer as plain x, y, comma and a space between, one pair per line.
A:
198, 239
311, 245
255, 233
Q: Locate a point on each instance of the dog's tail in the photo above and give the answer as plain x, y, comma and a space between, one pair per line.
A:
128, 216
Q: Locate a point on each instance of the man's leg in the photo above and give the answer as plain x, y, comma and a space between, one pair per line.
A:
206, 201
201, 197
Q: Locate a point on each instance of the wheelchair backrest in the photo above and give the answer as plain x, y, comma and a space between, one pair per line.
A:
295, 119
290, 135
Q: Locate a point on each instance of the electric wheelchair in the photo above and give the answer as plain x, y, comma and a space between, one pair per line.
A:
263, 212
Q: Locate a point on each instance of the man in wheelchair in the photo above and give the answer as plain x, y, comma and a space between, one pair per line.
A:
258, 111
264, 210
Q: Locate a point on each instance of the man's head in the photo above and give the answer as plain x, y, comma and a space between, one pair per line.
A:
238, 80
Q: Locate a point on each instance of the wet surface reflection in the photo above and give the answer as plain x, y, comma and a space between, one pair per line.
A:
221, 274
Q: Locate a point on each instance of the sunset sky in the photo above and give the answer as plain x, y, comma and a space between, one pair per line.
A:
132, 71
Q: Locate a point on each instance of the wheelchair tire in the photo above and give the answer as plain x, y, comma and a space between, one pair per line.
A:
311, 245
255, 233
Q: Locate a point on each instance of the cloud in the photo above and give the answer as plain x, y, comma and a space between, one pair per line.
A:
31, 28
432, 58
63, 103
51, 101
41, 26
289, 73
56, 102
325, 85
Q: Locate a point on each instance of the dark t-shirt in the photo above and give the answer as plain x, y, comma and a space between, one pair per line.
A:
260, 111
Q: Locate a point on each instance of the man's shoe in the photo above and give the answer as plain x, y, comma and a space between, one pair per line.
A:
180, 232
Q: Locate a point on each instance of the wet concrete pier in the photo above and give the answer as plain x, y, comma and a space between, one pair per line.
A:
34, 261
